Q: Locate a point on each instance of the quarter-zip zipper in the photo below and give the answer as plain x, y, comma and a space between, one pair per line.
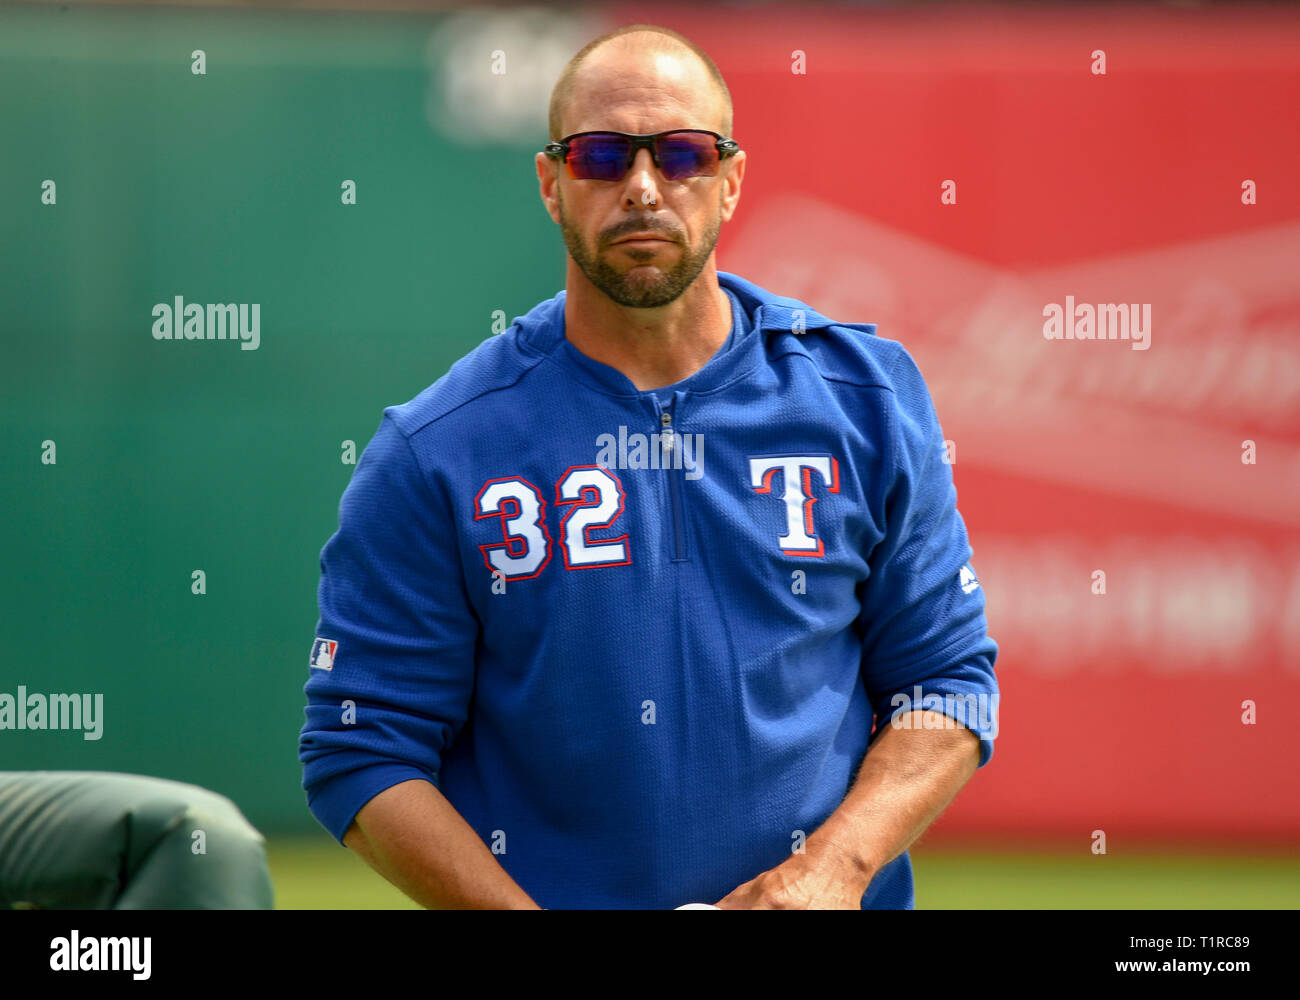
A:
668, 454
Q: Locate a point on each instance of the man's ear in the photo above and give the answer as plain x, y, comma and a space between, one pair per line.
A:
548, 183
731, 185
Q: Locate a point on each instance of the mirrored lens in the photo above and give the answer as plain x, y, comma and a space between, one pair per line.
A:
598, 157
687, 154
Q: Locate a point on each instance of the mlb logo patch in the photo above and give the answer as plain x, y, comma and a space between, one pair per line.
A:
323, 652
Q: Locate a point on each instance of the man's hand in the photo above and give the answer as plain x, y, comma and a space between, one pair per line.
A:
822, 879
911, 772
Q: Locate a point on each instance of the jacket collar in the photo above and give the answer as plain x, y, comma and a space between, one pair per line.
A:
541, 331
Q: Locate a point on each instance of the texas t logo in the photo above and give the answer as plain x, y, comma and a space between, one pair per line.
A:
800, 538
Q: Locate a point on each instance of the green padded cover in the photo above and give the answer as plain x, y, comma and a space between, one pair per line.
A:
99, 840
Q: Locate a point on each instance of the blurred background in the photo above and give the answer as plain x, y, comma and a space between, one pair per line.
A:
946, 172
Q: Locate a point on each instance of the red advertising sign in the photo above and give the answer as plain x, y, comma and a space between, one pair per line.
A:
1085, 226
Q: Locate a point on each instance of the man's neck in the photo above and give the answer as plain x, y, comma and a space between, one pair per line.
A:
652, 347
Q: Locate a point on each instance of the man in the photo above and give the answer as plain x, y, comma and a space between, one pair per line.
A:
613, 603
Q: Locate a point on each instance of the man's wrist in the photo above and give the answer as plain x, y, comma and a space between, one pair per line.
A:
844, 854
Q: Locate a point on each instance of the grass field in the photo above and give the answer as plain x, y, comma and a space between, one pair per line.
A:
316, 873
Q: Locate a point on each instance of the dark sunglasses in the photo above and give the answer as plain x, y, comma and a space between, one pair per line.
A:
607, 156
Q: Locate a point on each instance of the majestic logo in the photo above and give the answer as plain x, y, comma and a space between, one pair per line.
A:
800, 538
967, 579
322, 653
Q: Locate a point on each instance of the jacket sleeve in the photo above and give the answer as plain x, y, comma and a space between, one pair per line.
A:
392, 596
925, 641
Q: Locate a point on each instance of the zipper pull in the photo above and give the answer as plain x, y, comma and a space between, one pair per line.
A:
666, 423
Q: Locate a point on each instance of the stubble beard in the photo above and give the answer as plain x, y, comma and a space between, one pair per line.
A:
640, 287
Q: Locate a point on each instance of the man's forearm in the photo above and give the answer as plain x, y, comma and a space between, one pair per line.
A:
906, 780
416, 839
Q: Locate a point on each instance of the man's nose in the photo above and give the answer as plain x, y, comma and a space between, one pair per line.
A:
643, 179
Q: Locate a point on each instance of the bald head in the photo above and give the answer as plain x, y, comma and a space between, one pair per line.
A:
640, 64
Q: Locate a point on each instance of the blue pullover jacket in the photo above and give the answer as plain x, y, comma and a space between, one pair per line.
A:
640, 639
